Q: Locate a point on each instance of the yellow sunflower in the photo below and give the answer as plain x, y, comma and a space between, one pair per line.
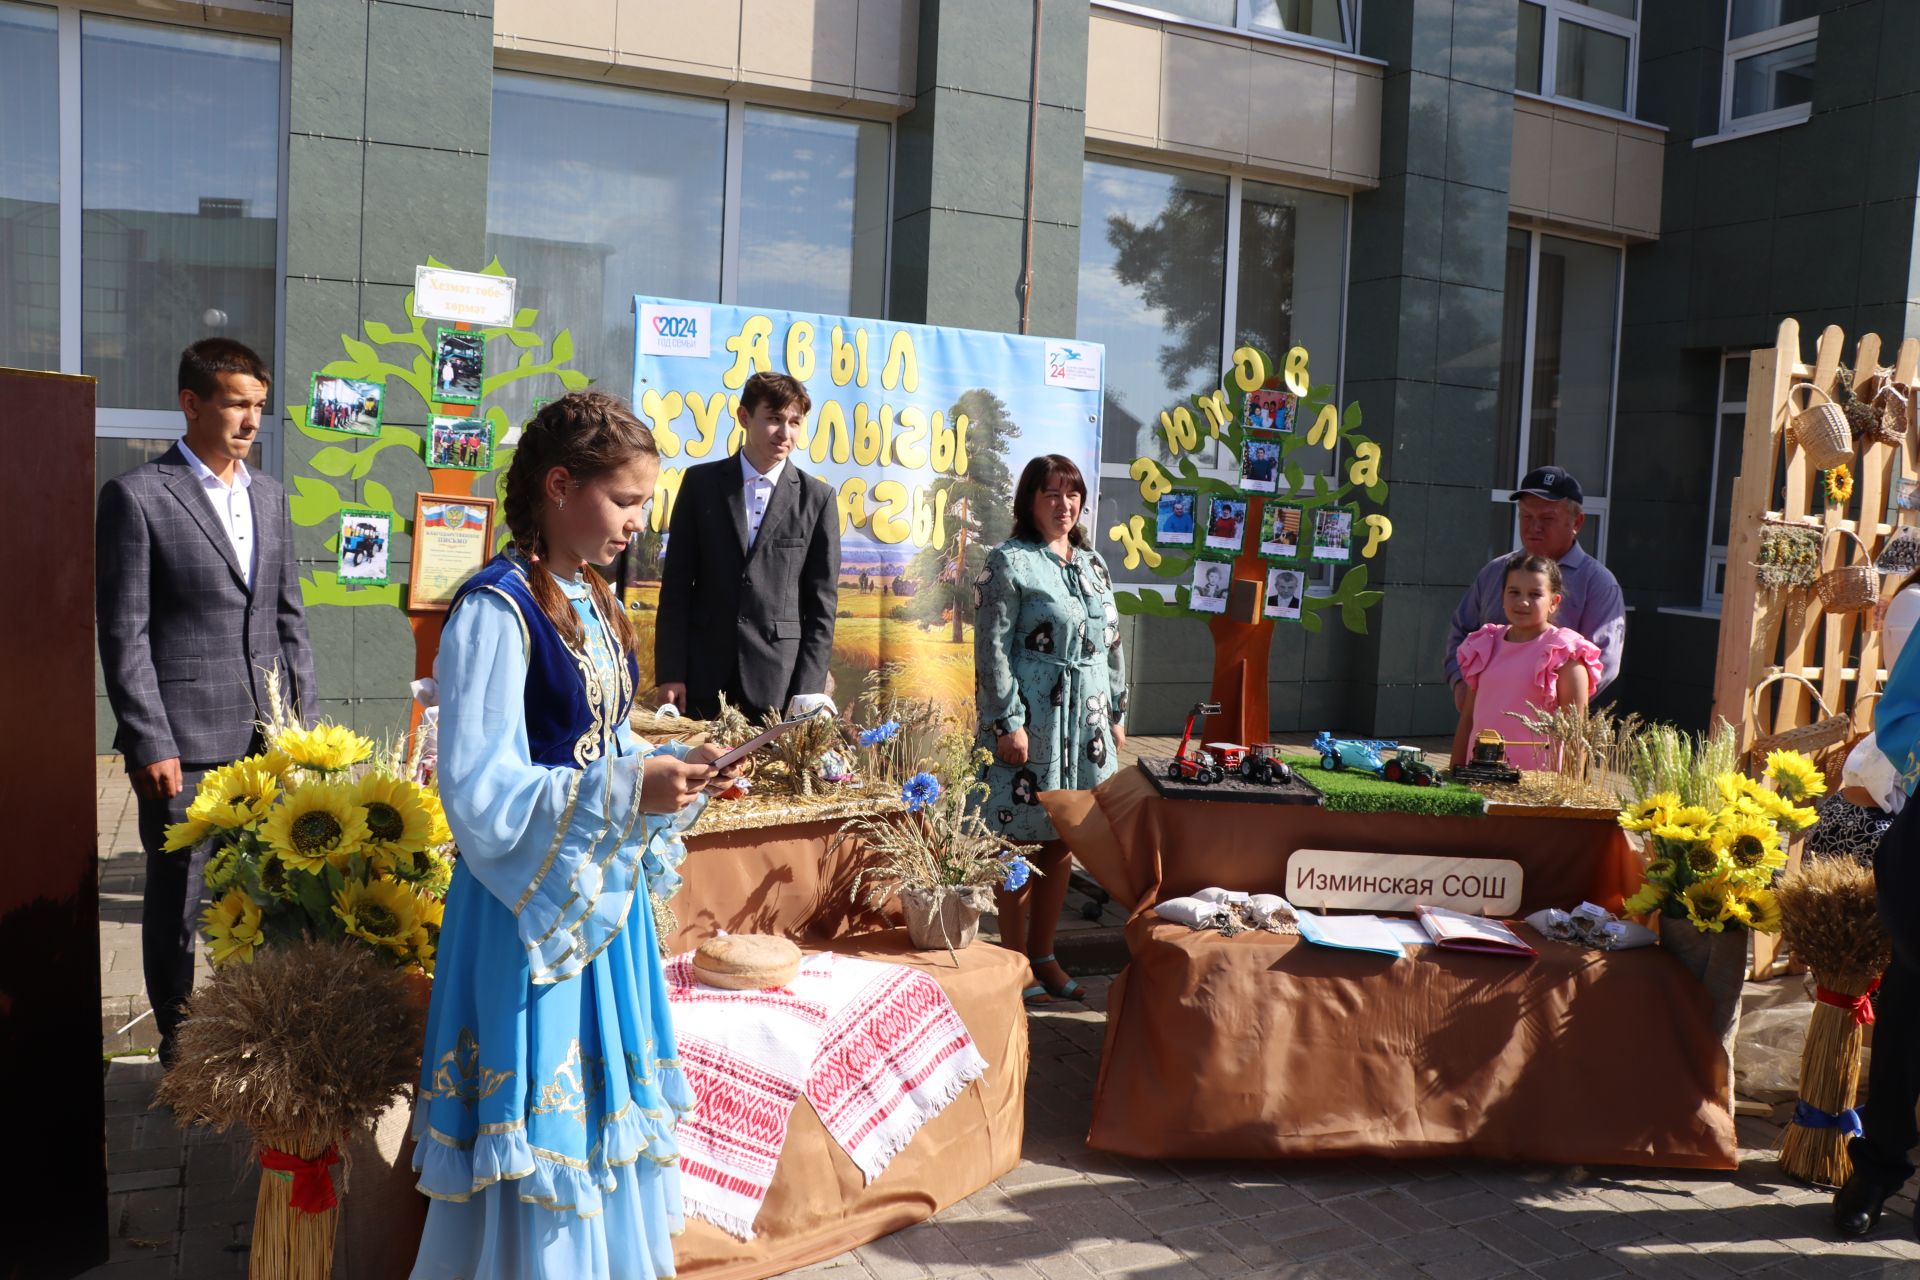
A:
1661, 868
398, 825
326, 748
236, 796
440, 833
384, 912
317, 824
1795, 775
1758, 909
232, 926
1750, 845
1839, 484
1646, 901
1704, 860
185, 835
1645, 815
222, 867
1709, 903
1680, 834
1732, 786
436, 873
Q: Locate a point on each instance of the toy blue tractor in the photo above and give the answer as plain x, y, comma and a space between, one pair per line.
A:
1367, 755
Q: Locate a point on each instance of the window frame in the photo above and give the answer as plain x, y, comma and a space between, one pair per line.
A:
1593, 505
1740, 48
1711, 600
1318, 574
154, 424
732, 184
1554, 12
1243, 24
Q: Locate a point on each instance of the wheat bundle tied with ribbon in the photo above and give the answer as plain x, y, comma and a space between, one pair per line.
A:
302, 1045
1830, 921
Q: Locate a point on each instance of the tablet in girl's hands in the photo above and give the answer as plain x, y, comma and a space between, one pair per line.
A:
756, 742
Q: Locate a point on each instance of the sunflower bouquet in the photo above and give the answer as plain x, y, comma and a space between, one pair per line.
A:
320, 837
1712, 864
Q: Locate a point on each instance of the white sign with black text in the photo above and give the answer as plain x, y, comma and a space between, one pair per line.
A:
465, 297
1323, 878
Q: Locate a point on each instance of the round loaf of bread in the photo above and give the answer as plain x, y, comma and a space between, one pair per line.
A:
746, 961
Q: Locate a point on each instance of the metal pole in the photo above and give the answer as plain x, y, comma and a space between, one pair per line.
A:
1033, 143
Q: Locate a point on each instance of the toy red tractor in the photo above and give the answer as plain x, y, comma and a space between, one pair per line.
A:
1262, 764
1195, 765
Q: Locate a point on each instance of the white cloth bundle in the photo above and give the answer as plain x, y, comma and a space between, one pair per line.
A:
1195, 912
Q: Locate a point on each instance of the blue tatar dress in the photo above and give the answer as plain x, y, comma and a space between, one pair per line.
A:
549, 1086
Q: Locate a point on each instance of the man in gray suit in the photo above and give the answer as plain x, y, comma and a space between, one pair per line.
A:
752, 574
198, 597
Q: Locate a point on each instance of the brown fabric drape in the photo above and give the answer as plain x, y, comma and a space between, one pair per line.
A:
792, 881
1264, 1046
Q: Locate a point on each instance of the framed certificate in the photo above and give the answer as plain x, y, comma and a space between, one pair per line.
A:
452, 536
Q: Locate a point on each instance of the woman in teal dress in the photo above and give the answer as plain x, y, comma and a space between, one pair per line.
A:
1050, 687
549, 1087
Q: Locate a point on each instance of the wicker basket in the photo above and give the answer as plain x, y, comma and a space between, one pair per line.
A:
1809, 738
1821, 430
1850, 588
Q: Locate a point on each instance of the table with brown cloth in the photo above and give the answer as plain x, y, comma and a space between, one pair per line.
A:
794, 880
1264, 1045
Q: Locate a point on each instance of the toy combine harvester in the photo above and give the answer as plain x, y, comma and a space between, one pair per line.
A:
1489, 760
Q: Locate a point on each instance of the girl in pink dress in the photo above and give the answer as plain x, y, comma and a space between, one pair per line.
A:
1527, 665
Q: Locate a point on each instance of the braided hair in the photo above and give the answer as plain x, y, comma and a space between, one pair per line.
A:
590, 433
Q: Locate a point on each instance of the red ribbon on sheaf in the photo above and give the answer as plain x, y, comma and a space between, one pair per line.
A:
1859, 1006
312, 1184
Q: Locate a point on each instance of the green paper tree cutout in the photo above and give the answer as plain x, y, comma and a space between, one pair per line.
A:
1222, 415
318, 497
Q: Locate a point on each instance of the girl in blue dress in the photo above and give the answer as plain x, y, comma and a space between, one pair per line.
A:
549, 1086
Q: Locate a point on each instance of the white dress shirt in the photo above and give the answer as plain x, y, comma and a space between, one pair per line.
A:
756, 491
232, 505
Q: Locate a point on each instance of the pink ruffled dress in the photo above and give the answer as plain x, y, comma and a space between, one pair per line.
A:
1508, 677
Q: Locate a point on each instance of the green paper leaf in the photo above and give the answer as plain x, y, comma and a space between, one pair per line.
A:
562, 352
378, 496
316, 503
1367, 599
574, 380
333, 461
1353, 580
362, 354
1309, 620
1294, 475
379, 332
435, 262
493, 268
1354, 617
1377, 492
525, 317
1351, 418
522, 338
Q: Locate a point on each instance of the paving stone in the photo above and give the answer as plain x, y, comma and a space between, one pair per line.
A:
1522, 1237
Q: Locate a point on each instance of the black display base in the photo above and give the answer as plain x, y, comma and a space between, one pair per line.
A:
1232, 787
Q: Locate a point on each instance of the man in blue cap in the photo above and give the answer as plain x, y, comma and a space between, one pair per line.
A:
1550, 518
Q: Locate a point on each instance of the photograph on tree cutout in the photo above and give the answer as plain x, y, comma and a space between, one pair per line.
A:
1333, 533
1285, 587
1173, 517
346, 405
1212, 580
1280, 531
459, 362
365, 539
1260, 463
1226, 523
1269, 410
461, 444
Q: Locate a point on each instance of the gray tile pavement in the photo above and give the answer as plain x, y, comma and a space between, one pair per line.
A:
181, 1203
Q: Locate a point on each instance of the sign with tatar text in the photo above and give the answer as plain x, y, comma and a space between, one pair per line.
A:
465, 297
1324, 878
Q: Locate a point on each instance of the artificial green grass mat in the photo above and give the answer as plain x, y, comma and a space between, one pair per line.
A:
1350, 792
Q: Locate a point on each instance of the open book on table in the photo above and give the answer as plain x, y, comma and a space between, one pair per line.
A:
1458, 931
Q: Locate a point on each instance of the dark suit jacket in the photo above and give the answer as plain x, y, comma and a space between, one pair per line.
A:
760, 620
184, 643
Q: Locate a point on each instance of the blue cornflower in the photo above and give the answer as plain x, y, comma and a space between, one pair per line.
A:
1017, 874
921, 790
879, 733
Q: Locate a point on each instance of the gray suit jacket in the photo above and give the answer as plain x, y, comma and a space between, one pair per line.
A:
762, 616
184, 643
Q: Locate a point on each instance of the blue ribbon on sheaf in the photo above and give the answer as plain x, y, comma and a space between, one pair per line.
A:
1808, 1116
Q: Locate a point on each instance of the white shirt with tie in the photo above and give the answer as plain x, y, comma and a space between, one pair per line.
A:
232, 505
756, 491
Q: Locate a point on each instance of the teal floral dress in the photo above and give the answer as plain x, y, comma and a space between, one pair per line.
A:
1047, 658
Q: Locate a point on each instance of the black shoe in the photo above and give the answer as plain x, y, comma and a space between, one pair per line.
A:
1856, 1206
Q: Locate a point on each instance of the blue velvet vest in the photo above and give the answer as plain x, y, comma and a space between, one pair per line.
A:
569, 713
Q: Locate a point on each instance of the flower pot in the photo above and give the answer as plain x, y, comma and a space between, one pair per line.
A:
941, 917
1718, 961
